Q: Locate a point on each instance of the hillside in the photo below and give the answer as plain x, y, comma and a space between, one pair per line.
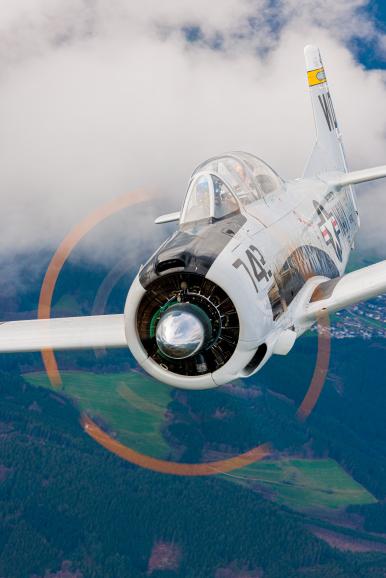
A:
62, 498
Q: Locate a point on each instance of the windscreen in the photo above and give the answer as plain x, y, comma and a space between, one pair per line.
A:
208, 197
197, 204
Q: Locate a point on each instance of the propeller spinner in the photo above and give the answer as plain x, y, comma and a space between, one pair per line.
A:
183, 330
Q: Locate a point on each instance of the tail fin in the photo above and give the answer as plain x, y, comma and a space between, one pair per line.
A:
327, 154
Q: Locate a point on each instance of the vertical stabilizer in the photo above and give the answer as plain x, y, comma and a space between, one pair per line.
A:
327, 154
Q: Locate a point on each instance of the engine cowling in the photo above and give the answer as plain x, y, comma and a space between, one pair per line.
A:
184, 329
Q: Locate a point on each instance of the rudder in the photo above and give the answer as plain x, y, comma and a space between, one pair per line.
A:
327, 154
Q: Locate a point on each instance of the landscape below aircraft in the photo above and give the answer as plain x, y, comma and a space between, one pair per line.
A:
254, 263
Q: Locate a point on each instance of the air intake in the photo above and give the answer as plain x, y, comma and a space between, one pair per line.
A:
169, 264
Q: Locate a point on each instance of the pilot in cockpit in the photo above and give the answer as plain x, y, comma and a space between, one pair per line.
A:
224, 201
208, 197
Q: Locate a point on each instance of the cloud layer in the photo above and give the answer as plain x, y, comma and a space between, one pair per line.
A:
100, 97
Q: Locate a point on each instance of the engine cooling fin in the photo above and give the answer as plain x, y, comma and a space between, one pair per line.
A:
181, 287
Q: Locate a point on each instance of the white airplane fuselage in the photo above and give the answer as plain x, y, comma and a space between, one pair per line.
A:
290, 241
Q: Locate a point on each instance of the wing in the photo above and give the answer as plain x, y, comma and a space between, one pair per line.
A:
63, 333
339, 180
341, 292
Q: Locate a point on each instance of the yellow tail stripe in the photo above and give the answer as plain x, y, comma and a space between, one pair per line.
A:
316, 76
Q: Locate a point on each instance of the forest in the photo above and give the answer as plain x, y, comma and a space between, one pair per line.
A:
63, 498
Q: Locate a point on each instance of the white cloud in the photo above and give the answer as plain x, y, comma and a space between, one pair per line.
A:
101, 97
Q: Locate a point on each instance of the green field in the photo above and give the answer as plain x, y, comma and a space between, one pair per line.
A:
304, 484
131, 405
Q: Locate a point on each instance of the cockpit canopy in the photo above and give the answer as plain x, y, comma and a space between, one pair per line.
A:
220, 185
208, 197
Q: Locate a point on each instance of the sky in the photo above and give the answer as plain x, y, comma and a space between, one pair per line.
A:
101, 97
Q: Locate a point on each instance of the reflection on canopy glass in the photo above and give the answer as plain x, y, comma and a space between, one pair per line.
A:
208, 196
249, 178
197, 206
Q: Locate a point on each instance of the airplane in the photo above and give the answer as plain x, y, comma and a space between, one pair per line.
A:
254, 263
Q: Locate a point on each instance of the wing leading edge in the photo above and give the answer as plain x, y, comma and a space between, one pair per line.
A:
360, 285
89, 332
340, 180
